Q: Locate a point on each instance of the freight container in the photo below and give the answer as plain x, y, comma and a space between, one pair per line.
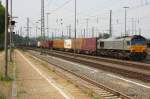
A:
42, 44
58, 44
46, 44
68, 44
77, 44
50, 44
38, 44
89, 45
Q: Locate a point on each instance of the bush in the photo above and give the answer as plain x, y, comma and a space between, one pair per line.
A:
2, 25
6, 78
2, 96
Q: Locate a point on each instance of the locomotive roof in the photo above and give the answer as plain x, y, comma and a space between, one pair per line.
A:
121, 38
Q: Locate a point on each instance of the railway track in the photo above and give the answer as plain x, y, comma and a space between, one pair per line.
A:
136, 70
141, 65
104, 91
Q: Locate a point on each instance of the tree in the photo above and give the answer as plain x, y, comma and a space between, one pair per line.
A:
104, 35
2, 25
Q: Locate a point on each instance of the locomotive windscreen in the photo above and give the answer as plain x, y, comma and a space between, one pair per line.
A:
138, 40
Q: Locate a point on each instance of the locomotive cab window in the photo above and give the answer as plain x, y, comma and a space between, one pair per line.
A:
128, 43
101, 44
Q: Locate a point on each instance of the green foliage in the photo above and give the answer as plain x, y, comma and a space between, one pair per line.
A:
7, 79
95, 97
2, 96
104, 36
2, 24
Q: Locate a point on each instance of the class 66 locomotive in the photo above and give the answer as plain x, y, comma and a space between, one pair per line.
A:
131, 47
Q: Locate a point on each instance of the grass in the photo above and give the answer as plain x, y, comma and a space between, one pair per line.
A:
95, 97
7, 79
2, 96
5, 82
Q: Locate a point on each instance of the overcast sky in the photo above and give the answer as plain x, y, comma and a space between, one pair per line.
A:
97, 11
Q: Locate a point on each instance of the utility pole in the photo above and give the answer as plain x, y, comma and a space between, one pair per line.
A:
125, 20
48, 23
42, 20
62, 35
84, 33
42, 23
21, 34
67, 30
70, 31
6, 39
87, 25
110, 24
21, 31
132, 26
28, 31
11, 31
93, 31
36, 30
135, 27
81, 33
140, 31
75, 24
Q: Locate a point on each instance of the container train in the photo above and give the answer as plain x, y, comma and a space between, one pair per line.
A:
131, 47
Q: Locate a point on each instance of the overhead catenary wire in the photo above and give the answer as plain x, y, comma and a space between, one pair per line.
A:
61, 6
102, 17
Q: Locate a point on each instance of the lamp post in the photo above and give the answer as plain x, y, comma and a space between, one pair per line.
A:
125, 20
6, 39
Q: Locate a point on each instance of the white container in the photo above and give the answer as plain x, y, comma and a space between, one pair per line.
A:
68, 44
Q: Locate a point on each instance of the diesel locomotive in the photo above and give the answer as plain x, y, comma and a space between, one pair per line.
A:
133, 47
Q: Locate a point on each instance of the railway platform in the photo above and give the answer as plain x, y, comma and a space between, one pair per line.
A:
34, 81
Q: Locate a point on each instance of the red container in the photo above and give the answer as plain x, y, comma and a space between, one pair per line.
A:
50, 44
89, 44
46, 43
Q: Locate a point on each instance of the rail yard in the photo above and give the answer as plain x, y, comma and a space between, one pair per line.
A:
74, 49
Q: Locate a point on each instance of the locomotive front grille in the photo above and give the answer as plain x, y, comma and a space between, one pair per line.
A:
138, 49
